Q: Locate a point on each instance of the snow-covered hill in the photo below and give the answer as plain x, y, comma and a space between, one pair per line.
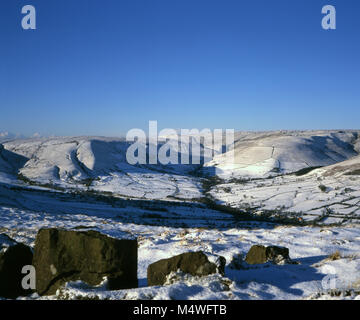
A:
274, 172
329, 195
259, 155
95, 163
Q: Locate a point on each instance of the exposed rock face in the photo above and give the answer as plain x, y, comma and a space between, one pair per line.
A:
61, 256
256, 255
194, 263
259, 254
13, 257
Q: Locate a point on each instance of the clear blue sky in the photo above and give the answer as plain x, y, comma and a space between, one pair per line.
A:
103, 67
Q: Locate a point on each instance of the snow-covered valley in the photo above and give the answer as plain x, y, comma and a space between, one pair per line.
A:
300, 190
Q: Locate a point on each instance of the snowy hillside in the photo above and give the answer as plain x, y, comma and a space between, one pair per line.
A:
259, 155
328, 195
95, 163
273, 174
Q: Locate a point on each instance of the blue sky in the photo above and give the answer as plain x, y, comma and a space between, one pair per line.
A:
103, 67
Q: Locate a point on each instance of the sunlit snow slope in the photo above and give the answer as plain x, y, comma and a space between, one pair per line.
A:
306, 174
93, 163
259, 155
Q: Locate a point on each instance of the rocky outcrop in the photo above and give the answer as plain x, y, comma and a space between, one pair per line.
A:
62, 255
259, 254
13, 257
194, 263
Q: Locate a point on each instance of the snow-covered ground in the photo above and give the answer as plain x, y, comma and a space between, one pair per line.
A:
310, 246
85, 182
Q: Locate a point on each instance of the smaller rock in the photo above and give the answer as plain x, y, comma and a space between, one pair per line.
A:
277, 255
194, 263
259, 254
13, 257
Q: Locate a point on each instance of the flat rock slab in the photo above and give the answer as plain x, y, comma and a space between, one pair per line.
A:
13, 257
194, 263
63, 255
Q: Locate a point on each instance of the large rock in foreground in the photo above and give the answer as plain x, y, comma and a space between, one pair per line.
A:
61, 256
13, 257
259, 254
194, 263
